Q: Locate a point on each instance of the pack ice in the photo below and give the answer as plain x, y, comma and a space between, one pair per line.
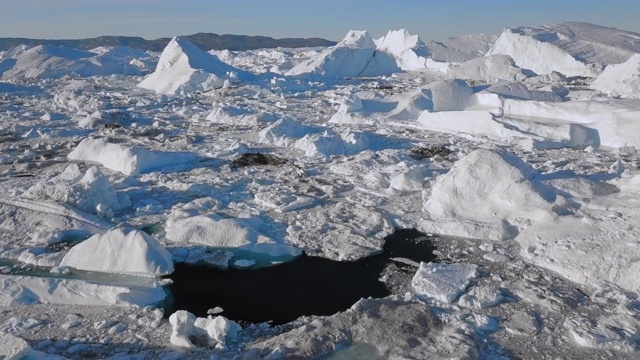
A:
514, 156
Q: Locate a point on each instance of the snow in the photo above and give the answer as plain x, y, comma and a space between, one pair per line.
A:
183, 68
620, 79
571, 48
443, 282
127, 160
120, 251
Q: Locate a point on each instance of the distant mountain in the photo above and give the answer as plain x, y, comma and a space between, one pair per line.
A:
205, 41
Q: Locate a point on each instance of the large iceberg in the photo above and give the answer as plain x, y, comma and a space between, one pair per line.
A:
355, 56
183, 68
121, 251
571, 48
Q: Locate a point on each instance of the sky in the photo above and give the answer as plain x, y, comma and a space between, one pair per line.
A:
329, 19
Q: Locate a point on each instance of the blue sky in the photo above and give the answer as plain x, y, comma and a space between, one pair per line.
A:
331, 19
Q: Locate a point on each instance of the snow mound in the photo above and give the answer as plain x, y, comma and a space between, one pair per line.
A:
355, 56
90, 192
48, 61
184, 68
489, 69
443, 282
120, 251
622, 80
217, 331
216, 231
29, 290
492, 190
12, 347
342, 231
446, 95
127, 160
571, 48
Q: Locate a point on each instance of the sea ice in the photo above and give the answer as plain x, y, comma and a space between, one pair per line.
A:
443, 282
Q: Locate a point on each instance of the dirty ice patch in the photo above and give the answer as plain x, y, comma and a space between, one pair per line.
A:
215, 330
120, 251
183, 68
245, 234
489, 192
355, 56
443, 282
621, 80
90, 192
342, 231
27, 290
129, 160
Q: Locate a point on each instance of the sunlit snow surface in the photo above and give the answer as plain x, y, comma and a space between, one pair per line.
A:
526, 178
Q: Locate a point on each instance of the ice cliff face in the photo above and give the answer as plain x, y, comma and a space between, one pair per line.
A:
571, 48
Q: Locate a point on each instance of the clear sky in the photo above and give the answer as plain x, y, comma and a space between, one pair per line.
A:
330, 19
